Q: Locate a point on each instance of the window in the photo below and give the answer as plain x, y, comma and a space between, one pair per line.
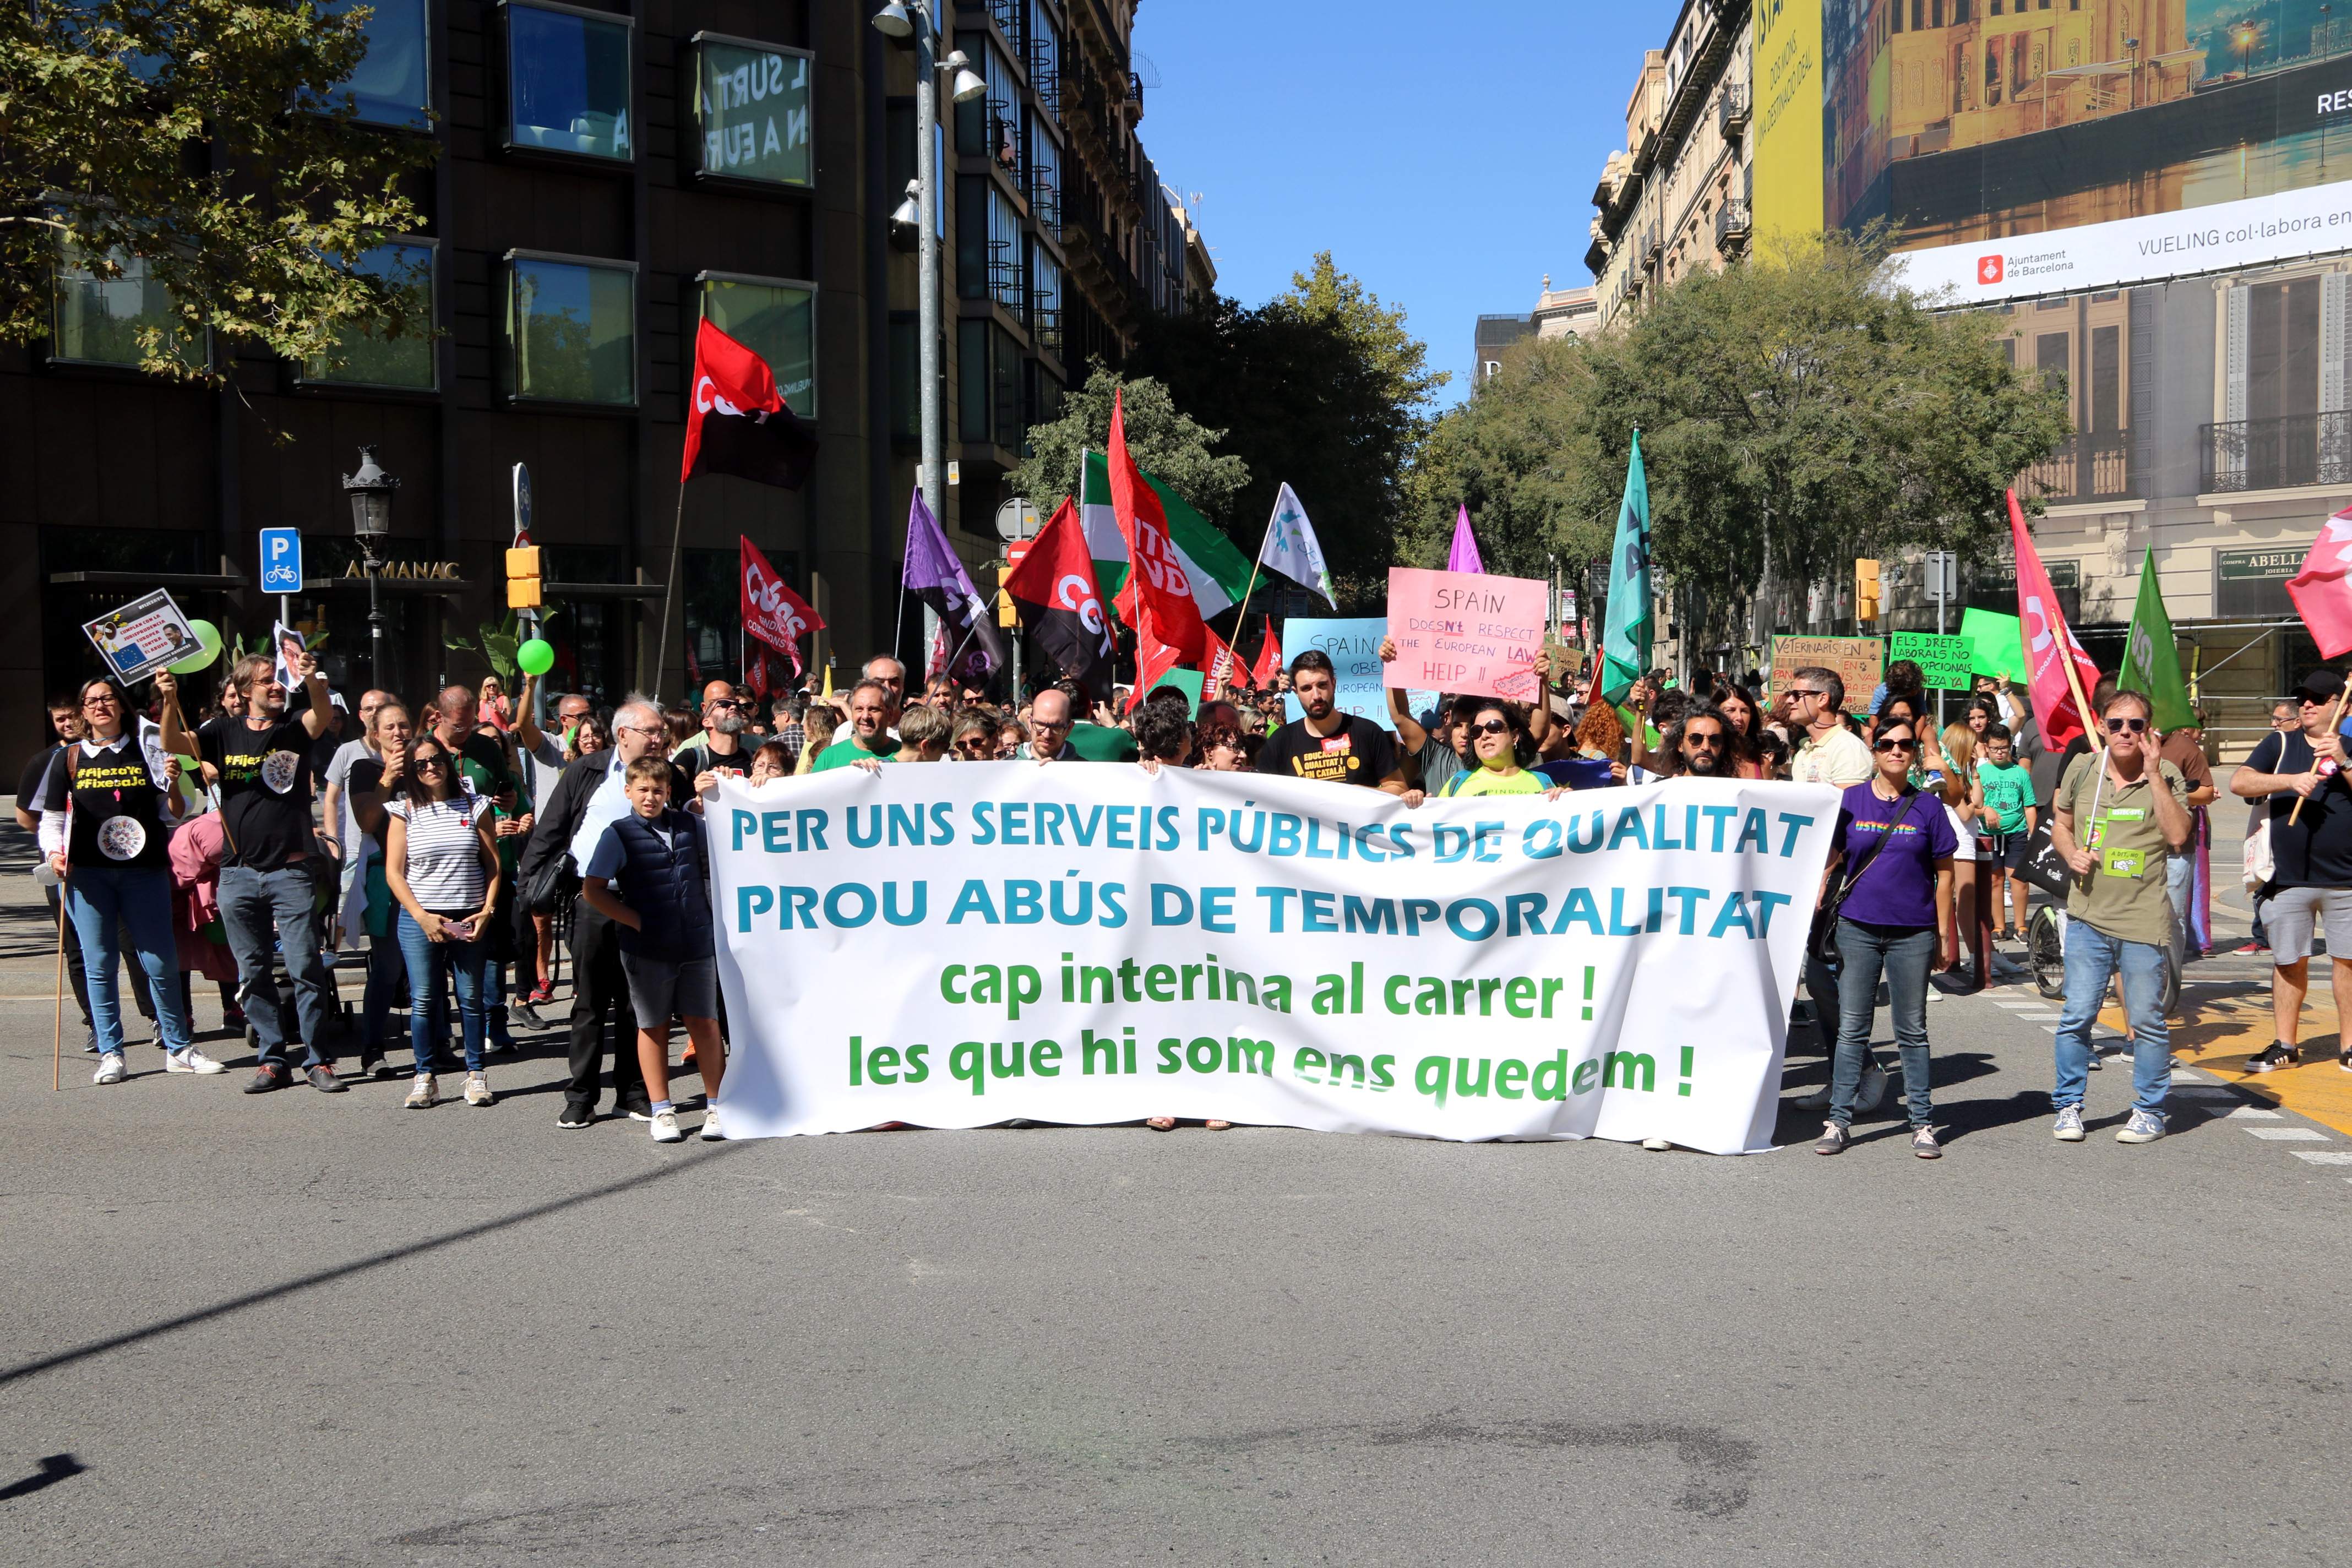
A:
1044, 57
2283, 350
753, 110
1045, 178
1003, 250
571, 331
989, 372
393, 85
369, 359
1044, 299
988, 243
568, 85
101, 320
905, 377
775, 320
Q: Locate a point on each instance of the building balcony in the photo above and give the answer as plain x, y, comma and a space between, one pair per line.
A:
1652, 246
2274, 454
1731, 110
1734, 226
2084, 468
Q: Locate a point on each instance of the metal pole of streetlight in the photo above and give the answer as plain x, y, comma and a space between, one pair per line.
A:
927, 255
376, 622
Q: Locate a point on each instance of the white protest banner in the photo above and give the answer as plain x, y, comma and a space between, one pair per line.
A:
955, 946
141, 636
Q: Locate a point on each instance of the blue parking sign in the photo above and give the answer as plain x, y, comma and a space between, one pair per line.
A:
281, 560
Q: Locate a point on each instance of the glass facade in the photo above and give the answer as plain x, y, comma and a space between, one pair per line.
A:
776, 320
568, 81
101, 320
989, 368
369, 359
393, 85
1044, 170
1044, 299
753, 109
571, 331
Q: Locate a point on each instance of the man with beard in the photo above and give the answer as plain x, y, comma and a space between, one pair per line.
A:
1700, 747
1327, 744
721, 746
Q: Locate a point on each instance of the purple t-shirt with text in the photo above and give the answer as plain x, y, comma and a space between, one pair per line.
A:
1897, 887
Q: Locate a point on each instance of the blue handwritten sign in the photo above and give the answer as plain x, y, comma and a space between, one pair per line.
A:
1354, 648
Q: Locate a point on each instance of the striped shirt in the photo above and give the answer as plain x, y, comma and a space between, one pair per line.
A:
444, 853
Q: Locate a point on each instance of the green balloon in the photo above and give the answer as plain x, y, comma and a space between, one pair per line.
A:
208, 647
536, 656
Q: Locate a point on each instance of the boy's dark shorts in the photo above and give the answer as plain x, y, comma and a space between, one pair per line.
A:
660, 990
2009, 850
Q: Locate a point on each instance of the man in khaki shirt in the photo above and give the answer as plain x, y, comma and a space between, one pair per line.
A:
2120, 816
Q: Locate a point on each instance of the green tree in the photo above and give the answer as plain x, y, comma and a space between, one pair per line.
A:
1322, 387
1170, 445
209, 140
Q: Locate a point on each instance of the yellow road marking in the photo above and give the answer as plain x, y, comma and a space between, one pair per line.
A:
2222, 1032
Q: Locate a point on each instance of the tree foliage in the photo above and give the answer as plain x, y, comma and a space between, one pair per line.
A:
1172, 447
1322, 387
1803, 406
210, 140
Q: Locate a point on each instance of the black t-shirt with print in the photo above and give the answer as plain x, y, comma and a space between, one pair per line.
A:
118, 813
265, 789
2315, 851
1360, 753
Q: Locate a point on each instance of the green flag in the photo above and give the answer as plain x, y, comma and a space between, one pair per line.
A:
1625, 628
2152, 657
1218, 572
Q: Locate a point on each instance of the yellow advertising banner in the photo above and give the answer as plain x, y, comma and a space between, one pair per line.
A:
1790, 162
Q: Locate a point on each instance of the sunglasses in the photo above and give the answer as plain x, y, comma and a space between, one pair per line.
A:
1490, 727
1710, 741
2125, 726
430, 760
2314, 701
1896, 746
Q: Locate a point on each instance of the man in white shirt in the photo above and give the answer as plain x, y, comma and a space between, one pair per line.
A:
1829, 752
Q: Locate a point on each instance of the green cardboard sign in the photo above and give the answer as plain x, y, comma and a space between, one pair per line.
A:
1944, 661
1188, 681
1997, 643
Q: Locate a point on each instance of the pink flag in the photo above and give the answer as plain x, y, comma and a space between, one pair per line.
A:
2322, 595
1463, 556
2048, 642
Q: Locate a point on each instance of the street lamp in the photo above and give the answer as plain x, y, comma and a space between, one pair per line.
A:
370, 490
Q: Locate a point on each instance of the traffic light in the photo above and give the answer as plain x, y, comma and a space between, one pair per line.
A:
522, 578
1866, 589
1008, 613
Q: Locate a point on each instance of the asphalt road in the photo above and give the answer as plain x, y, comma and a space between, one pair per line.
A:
319, 1331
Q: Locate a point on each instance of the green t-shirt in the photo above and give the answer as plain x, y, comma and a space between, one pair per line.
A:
2124, 895
1101, 744
842, 754
2008, 790
1488, 781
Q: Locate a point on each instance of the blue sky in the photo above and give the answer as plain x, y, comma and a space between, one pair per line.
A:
1445, 153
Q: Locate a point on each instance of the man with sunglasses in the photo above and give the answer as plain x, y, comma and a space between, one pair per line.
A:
1828, 753
720, 744
2119, 817
2311, 859
1698, 747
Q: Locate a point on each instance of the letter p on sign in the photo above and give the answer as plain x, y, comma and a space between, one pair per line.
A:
281, 560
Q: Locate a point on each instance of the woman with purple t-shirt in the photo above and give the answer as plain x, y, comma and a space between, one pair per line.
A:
1894, 847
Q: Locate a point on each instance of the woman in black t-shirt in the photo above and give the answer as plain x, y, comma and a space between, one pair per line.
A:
106, 827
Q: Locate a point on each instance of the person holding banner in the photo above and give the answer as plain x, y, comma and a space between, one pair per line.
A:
1504, 747
1327, 744
260, 758
2120, 814
2299, 773
106, 829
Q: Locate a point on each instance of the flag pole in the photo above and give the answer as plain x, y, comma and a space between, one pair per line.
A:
671, 590
2335, 717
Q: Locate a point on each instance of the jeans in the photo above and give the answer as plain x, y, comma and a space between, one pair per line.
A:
2092, 957
387, 982
428, 960
104, 902
1904, 953
252, 904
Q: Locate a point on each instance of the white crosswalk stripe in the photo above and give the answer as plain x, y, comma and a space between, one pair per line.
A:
2288, 1134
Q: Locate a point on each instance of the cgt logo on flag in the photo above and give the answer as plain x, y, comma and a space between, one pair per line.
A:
1990, 269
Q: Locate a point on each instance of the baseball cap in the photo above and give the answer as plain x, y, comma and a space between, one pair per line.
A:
2321, 686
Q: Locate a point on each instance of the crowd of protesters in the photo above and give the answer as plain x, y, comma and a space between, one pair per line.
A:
450, 844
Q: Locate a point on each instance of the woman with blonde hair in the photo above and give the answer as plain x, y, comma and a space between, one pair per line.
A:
1964, 806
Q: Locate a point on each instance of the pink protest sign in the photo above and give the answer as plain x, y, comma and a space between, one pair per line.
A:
1465, 631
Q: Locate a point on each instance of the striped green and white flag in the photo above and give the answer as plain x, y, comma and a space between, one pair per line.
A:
1218, 573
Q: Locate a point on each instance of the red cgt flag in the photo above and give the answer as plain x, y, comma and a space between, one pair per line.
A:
2048, 643
773, 614
2322, 595
736, 421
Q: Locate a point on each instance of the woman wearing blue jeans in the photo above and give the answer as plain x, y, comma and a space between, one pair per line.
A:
1893, 848
439, 862
106, 828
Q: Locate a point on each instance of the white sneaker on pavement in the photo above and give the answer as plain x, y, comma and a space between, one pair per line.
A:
666, 1128
712, 1133
188, 1059
422, 1092
2069, 1129
109, 1069
477, 1088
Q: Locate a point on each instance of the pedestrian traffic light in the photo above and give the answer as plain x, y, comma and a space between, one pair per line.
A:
1008, 613
522, 578
1866, 589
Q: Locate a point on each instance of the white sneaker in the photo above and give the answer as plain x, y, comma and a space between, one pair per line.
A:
710, 1132
1656, 1146
1871, 1091
666, 1128
109, 1069
477, 1088
2069, 1126
422, 1093
190, 1059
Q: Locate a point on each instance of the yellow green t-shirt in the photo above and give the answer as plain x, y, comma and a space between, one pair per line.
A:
1489, 781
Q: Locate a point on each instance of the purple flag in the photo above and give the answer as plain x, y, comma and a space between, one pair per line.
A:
936, 575
1463, 556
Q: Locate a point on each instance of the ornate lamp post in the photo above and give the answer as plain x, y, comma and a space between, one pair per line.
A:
371, 491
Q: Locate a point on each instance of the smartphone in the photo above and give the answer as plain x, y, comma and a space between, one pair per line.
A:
463, 930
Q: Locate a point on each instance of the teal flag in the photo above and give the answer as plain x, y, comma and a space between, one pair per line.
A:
2152, 656
1625, 628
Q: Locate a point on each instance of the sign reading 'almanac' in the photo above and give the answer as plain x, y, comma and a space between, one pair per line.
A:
753, 109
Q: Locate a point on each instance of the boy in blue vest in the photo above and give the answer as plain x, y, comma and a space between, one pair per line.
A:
660, 859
